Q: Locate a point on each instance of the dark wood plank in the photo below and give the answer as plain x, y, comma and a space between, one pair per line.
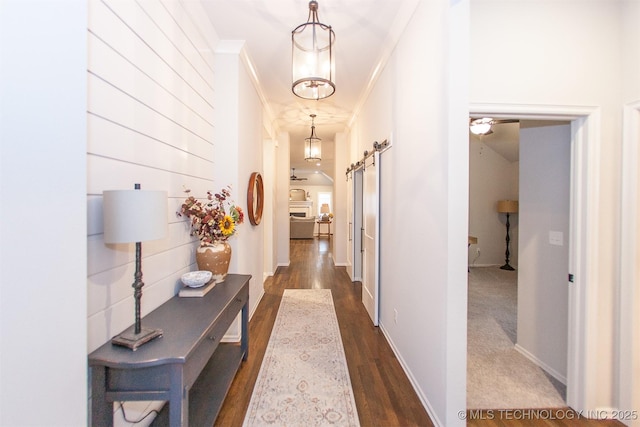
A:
383, 393
384, 396
208, 392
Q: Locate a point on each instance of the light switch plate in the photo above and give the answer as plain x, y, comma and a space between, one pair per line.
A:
556, 238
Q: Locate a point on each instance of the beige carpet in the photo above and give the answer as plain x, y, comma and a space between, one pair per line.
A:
304, 380
498, 376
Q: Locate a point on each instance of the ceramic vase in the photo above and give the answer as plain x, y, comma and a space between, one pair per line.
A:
214, 258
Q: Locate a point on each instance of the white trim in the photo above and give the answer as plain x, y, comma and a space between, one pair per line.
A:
414, 382
583, 247
386, 48
629, 294
238, 47
356, 240
548, 369
583, 262
531, 111
377, 160
255, 307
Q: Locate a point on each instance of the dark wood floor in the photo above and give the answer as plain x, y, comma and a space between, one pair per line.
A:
383, 394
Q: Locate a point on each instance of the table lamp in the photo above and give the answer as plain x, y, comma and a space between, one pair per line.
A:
507, 207
134, 216
324, 210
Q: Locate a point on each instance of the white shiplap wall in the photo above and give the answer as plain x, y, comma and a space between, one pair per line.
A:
150, 121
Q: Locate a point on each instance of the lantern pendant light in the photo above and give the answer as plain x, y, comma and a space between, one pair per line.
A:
313, 66
312, 147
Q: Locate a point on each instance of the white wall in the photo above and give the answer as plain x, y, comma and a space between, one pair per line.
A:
424, 202
269, 212
313, 190
548, 64
631, 58
576, 51
282, 199
158, 117
238, 132
491, 178
150, 121
550, 70
43, 96
629, 380
545, 159
340, 227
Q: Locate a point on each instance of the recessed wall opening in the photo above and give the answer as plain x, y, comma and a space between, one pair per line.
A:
509, 366
582, 236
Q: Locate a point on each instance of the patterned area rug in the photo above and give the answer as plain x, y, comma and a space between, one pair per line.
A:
304, 380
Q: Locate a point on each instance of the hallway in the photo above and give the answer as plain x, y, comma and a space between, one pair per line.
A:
383, 393
384, 396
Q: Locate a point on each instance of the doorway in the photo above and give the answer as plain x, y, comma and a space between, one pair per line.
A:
583, 232
366, 190
517, 324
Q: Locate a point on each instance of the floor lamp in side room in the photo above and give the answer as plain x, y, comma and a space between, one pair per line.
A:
134, 216
507, 207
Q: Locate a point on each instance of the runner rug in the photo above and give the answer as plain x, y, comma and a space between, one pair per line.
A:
304, 380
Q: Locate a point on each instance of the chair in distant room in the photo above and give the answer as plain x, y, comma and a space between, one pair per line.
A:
301, 227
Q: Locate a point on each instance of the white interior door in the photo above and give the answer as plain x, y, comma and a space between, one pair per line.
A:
370, 231
356, 227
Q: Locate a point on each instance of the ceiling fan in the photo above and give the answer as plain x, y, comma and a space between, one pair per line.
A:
483, 126
293, 176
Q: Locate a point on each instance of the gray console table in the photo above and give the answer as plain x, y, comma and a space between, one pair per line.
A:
187, 366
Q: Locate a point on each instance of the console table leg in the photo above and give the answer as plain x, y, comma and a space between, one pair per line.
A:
101, 410
244, 340
179, 399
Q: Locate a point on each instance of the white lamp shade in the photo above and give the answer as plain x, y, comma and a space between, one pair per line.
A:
134, 215
324, 208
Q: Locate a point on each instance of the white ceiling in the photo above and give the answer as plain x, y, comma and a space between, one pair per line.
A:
366, 32
504, 140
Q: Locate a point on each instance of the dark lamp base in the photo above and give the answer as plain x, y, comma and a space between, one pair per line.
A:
507, 267
132, 340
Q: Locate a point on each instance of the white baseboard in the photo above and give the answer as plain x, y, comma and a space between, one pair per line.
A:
425, 402
548, 369
486, 265
255, 307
